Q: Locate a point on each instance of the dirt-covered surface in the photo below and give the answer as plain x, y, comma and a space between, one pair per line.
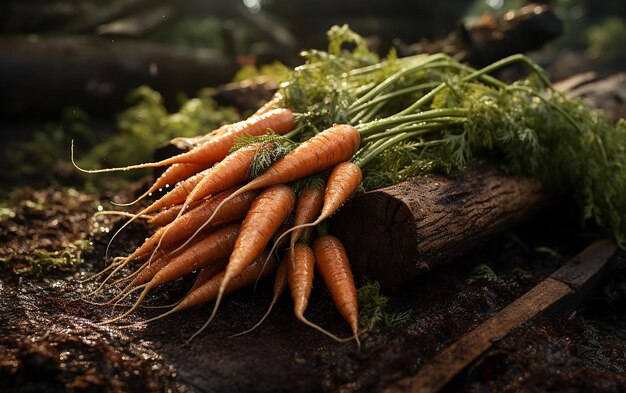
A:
50, 340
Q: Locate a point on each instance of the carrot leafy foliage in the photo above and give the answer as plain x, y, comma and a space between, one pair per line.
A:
424, 114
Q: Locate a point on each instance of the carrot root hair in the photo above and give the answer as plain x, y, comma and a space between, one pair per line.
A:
220, 294
101, 272
120, 213
140, 197
142, 295
324, 331
117, 169
256, 325
122, 295
160, 316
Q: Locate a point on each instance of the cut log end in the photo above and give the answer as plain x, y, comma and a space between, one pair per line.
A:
379, 231
398, 232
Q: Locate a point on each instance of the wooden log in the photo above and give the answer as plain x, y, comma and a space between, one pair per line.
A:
605, 92
40, 75
491, 39
558, 294
398, 232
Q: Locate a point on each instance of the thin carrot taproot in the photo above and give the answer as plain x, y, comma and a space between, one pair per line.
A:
266, 215
188, 226
280, 283
333, 265
121, 214
210, 289
212, 248
215, 149
171, 176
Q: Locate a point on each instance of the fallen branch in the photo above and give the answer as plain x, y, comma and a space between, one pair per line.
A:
97, 73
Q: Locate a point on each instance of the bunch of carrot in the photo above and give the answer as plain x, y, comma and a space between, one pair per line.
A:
251, 186
219, 222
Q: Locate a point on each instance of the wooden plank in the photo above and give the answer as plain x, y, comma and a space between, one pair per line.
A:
562, 284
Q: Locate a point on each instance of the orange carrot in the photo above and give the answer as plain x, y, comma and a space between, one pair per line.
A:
186, 226
308, 208
279, 121
208, 273
211, 249
342, 182
167, 215
268, 212
231, 171
210, 290
332, 264
215, 149
179, 193
214, 247
300, 278
324, 150
171, 176
328, 148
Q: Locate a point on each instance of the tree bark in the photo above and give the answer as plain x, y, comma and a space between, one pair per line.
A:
398, 232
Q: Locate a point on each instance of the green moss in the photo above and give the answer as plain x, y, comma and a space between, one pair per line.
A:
41, 262
607, 41
147, 124
139, 130
481, 274
6, 213
373, 308
276, 72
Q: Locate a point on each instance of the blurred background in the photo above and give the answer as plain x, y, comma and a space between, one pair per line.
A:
123, 77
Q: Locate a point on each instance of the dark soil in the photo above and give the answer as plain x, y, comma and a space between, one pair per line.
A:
49, 340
